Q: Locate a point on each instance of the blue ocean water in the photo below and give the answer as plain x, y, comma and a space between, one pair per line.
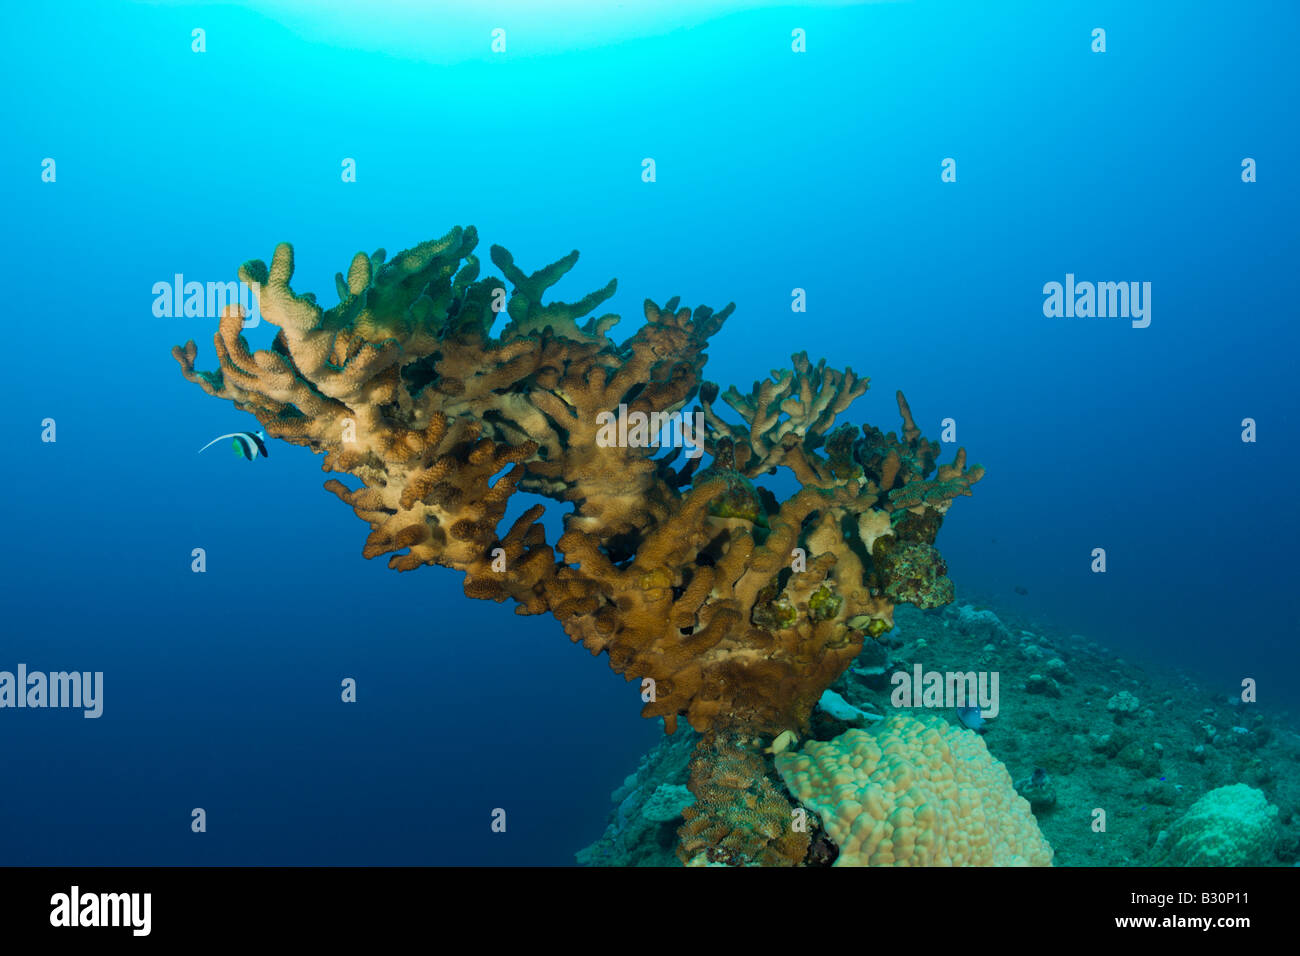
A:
775, 170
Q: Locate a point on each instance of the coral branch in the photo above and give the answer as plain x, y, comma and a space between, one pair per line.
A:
740, 609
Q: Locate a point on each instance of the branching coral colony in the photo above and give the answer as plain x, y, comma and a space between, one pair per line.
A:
740, 608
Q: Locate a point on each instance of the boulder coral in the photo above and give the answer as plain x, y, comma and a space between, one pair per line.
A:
740, 608
1230, 826
915, 792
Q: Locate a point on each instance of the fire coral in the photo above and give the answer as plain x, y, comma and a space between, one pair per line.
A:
740, 608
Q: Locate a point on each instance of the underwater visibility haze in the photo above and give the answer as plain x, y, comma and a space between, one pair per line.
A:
897, 473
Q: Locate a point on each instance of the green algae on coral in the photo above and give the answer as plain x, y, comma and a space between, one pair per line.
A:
527, 313
824, 603
740, 499
912, 573
839, 453
773, 610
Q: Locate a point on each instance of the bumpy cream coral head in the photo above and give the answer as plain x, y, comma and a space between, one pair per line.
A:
915, 792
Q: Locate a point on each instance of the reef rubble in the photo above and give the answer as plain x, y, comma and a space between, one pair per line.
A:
1199, 778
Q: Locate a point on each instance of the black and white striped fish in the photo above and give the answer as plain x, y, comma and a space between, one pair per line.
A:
246, 444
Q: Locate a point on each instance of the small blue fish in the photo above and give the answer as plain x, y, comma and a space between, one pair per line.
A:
246, 444
971, 718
